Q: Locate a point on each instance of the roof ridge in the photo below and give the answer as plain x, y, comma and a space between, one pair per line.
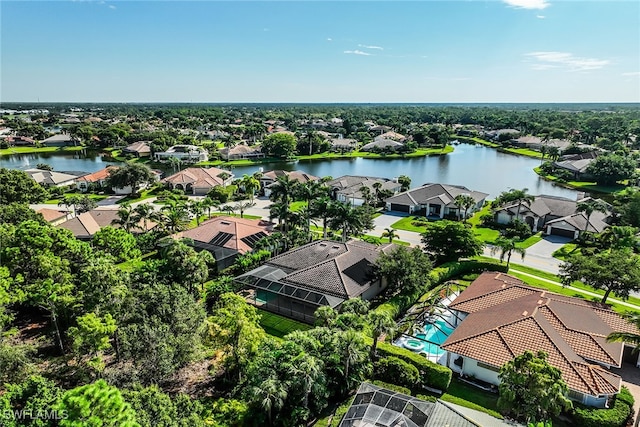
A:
584, 333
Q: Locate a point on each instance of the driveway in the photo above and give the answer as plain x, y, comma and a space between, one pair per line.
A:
631, 379
386, 219
547, 246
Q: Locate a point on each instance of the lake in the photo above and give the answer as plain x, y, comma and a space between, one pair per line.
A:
474, 166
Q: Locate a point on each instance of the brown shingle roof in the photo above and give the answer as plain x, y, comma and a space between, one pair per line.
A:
237, 228
506, 318
51, 215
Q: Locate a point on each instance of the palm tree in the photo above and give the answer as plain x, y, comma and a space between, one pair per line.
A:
143, 212
228, 209
464, 202
210, 203
589, 207
283, 190
175, 162
347, 218
390, 233
353, 354
321, 208
506, 248
380, 323
224, 176
250, 185
306, 369
270, 396
618, 236
243, 206
632, 338
308, 192
197, 208
176, 217
519, 196
126, 217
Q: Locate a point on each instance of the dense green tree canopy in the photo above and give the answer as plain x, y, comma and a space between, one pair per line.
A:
405, 270
116, 242
531, 389
281, 145
609, 168
450, 241
17, 186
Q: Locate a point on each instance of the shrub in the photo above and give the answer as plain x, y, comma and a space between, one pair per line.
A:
431, 374
614, 417
626, 396
392, 387
396, 371
427, 398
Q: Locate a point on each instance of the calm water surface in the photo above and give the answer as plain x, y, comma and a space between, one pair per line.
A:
474, 166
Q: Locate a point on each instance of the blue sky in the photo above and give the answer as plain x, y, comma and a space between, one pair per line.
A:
302, 51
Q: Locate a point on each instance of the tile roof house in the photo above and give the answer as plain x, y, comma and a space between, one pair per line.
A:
226, 237
60, 140
97, 178
54, 216
85, 225
555, 216
434, 200
198, 181
382, 144
139, 149
536, 143
499, 317
269, 178
347, 188
51, 178
319, 273
20, 140
576, 164
187, 153
241, 151
343, 144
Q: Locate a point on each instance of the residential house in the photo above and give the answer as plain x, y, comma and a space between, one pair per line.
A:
382, 144
60, 140
198, 181
377, 406
20, 140
394, 136
241, 151
435, 200
577, 164
51, 178
85, 225
536, 143
226, 237
96, 179
139, 149
554, 215
501, 134
54, 216
269, 178
343, 144
321, 273
498, 317
186, 153
348, 188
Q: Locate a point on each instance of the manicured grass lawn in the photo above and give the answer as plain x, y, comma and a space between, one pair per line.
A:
381, 240
530, 241
565, 251
296, 206
523, 152
405, 224
475, 140
279, 326
27, 150
145, 194
583, 185
96, 197
472, 397
486, 235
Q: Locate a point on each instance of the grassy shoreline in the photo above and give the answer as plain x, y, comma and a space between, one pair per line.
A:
33, 150
591, 187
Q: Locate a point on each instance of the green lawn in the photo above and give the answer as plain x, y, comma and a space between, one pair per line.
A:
565, 251
296, 206
133, 264
96, 197
405, 224
588, 186
377, 240
475, 140
145, 194
28, 150
486, 235
279, 326
523, 152
472, 397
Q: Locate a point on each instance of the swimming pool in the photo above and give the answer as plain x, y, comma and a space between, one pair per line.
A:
429, 338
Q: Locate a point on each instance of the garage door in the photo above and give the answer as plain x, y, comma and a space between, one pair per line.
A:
399, 208
562, 232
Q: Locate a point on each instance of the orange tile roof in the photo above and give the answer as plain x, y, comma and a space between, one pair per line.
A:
97, 176
506, 318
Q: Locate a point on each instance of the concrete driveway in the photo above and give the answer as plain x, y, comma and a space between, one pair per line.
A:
547, 246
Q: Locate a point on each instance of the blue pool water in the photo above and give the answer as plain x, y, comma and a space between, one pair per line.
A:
433, 334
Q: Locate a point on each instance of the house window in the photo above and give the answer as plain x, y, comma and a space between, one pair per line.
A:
488, 367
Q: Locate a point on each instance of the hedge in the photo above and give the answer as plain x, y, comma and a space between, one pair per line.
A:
397, 305
617, 416
396, 371
626, 396
431, 374
392, 387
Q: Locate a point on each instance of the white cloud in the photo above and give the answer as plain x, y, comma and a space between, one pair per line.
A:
329, 39
357, 52
540, 16
370, 47
111, 6
632, 74
527, 4
548, 60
